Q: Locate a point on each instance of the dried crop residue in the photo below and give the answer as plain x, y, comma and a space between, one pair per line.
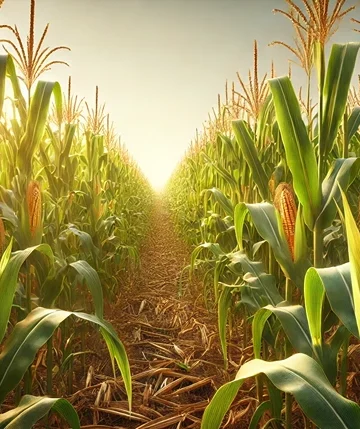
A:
172, 344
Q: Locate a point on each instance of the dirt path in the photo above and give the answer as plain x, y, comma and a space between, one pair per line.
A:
171, 341
172, 344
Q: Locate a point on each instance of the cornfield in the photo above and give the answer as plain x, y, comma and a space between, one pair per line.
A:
267, 200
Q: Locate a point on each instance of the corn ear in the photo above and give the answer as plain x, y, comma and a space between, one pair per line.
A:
272, 185
284, 202
33, 201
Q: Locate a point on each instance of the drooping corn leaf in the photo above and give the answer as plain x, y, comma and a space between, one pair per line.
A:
219, 197
342, 172
293, 321
336, 282
9, 278
353, 239
262, 283
214, 248
270, 229
299, 375
92, 280
31, 333
248, 149
32, 408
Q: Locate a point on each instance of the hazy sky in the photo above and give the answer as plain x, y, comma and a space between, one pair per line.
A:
159, 64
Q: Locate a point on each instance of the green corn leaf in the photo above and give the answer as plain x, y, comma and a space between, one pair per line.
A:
36, 122
353, 123
335, 95
228, 177
314, 298
329, 360
85, 240
293, 321
5, 258
219, 197
69, 138
30, 334
3, 67
240, 213
51, 288
9, 278
262, 283
228, 145
299, 375
342, 172
9, 214
263, 127
336, 282
258, 414
92, 281
250, 154
300, 154
214, 248
353, 239
32, 408
268, 225
260, 319
18, 96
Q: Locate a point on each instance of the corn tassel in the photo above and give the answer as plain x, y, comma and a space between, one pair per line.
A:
284, 202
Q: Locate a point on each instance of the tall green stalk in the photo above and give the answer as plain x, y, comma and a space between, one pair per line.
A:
318, 233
